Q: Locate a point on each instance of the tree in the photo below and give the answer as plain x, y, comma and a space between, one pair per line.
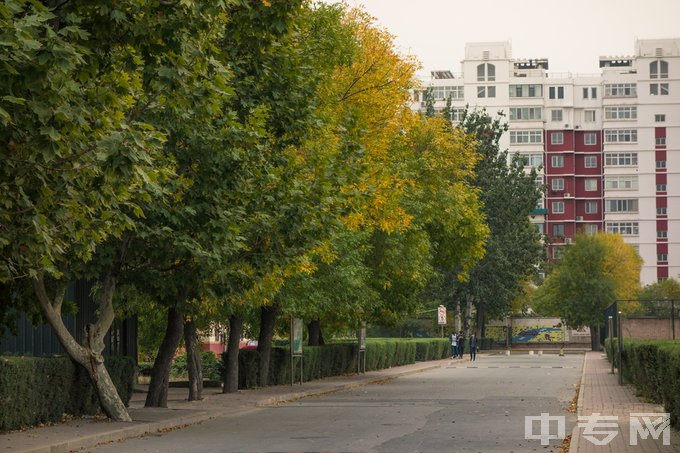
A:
88, 88
658, 297
593, 273
513, 248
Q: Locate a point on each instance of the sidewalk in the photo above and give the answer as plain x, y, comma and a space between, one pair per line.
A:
85, 433
601, 393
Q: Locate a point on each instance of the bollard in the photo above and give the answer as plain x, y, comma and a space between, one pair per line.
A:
507, 352
540, 352
531, 352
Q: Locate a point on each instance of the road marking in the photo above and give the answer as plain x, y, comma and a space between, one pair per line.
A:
549, 367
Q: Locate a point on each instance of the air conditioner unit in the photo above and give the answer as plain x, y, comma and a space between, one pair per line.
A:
567, 240
579, 218
566, 126
567, 195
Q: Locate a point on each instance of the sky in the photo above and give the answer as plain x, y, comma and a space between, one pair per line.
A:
572, 34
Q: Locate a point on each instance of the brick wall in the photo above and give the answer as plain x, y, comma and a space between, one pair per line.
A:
650, 328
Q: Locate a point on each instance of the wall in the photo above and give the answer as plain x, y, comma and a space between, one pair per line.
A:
649, 328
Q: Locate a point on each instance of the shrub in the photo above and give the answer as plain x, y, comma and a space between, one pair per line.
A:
36, 390
338, 358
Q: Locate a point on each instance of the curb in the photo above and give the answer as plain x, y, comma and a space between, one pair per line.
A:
573, 445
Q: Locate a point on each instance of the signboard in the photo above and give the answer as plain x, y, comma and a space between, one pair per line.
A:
296, 334
441, 315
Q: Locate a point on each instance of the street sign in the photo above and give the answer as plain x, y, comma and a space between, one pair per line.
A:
441, 315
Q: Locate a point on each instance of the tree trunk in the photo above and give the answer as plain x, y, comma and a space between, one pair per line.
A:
193, 361
264, 344
231, 372
315, 334
160, 373
89, 355
458, 323
480, 323
595, 338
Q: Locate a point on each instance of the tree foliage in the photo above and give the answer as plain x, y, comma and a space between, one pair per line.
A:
513, 250
593, 273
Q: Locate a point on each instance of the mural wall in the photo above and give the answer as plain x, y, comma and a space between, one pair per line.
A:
536, 330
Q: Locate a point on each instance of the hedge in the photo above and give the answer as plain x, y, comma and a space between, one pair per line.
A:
339, 358
653, 366
35, 390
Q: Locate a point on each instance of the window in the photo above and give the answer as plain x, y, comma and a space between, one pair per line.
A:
442, 93
558, 207
556, 92
558, 229
556, 138
590, 161
658, 89
593, 92
591, 207
526, 91
590, 138
620, 90
661, 211
662, 234
662, 257
486, 91
525, 113
540, 228
526, 137
532, 160
620, 159
589, 116
621, 182
456, 114
557, 161
658, 70
661, 187
557, 184
620, 136
620, 113
660, 141
660, 164
591, 184
624, 228
486, 72
621, 205
558, 253
659, 118
591, 228
556, 115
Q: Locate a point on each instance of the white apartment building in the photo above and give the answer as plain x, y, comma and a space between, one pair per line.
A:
606, 146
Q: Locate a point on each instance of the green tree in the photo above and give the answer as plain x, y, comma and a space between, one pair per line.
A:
513, 248
594, 272
84, 84
655, 299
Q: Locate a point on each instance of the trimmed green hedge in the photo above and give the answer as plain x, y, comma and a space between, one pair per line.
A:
36, 390
653, 366
339, 358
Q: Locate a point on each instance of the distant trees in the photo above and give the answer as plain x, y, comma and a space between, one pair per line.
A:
593, 273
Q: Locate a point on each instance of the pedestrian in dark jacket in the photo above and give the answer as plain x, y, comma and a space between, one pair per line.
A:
473, 348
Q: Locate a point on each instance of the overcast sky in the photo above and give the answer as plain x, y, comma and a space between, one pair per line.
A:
572, 34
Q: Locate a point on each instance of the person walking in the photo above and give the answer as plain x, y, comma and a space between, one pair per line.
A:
460, 344
473, 347
454, 342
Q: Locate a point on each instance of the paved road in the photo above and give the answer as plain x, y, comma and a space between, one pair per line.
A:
460, 407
